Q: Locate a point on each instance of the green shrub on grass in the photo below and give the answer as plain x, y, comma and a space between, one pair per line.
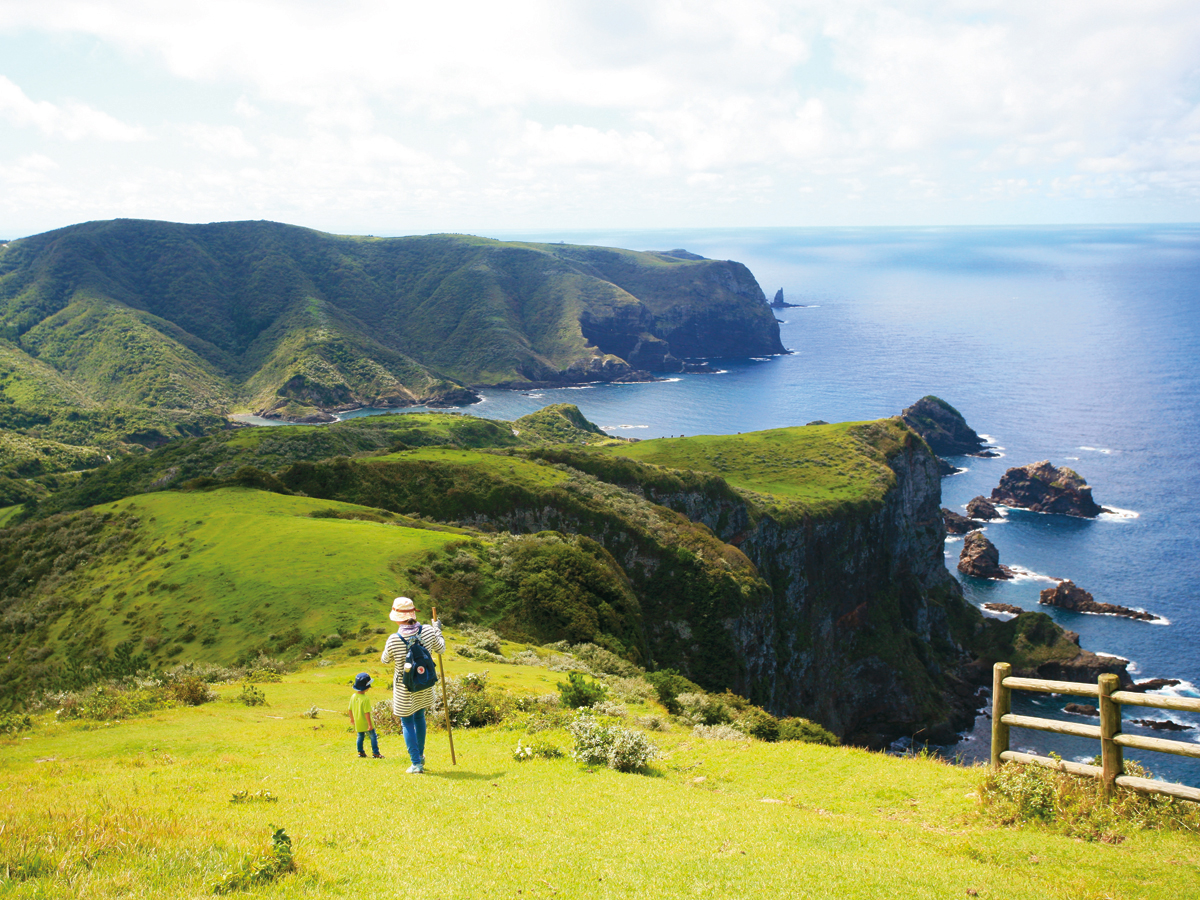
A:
579, 693
806, 732
472, 702
266, 865
537, 748
702, 709
104, 703
191, 690
623, 749
1074, 804
14, 723
669, 684
251, 695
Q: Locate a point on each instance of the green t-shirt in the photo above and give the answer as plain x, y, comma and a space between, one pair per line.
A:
359, 707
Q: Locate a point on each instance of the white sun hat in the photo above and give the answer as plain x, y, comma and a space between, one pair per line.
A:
402, 608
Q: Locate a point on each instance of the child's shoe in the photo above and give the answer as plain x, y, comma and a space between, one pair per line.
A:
378, 756
362, 754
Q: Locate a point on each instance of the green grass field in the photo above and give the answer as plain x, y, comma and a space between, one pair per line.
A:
815, 468
142, 808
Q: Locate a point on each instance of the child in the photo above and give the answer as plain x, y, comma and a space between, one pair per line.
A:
360, 715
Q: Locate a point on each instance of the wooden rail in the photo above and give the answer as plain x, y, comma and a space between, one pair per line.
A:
1108, 732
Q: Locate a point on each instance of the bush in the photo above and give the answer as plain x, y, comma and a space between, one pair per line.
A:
1074, 804
609, 708
758, 723
14, 723
332, 641
669, 684
472, 701
701, 709
191, 690
617, 748
632, 690
605, 661
719, 733
252, 696
796, 729
103, 703
539, 748
577, 693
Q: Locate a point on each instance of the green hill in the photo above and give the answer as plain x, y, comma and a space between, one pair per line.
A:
285, 321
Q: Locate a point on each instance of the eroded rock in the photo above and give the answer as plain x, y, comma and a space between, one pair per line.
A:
1041, 487
981, 559
1067, 595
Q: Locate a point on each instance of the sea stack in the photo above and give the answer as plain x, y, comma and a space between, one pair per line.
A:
1067, 595
1041, 487
981, 559
943, 428
982, 508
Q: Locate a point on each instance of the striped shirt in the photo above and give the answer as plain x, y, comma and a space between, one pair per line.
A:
394, 651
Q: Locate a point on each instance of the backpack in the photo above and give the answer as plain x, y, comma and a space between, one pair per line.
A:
419, 670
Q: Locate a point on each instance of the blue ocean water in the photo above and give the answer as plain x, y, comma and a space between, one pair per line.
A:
1080, 345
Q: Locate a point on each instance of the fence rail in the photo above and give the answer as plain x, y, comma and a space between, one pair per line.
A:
1108, 732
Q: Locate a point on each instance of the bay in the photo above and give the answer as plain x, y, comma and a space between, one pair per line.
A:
1074, 344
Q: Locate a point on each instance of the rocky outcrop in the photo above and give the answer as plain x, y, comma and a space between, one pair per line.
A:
779, 302
1004, 608
980, 558
944, 429
1154, 684
1041, 487
981, 508
957, 524
1081, 709
1066, 595
1161, 724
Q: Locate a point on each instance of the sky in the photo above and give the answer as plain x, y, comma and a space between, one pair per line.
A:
392, 117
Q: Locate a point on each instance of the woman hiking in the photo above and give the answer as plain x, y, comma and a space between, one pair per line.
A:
410, 706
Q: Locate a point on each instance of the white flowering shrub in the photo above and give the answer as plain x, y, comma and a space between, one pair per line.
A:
537, 748
609, 708
623, 749
702, 709
719, 733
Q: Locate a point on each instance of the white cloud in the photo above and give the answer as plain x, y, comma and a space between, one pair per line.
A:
71, 120
659, 108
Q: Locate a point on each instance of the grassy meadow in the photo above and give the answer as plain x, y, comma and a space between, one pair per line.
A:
148, 807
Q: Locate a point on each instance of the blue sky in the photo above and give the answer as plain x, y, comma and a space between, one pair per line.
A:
399, 117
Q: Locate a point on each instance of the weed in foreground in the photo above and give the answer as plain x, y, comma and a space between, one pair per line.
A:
259, 868
1074, 804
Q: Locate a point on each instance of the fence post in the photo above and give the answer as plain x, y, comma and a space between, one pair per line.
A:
1001, 706
1111, 761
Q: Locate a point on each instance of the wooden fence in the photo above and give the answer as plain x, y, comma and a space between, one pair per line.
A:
1108, 732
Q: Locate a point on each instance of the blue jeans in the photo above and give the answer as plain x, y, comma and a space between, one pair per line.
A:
414, 736
374, 741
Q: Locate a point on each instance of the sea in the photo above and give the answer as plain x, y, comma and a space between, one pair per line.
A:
1075, 344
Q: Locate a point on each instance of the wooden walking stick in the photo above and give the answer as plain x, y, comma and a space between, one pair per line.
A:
445, 700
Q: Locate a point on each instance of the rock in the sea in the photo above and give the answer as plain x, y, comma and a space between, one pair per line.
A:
943, 428
817, 422
779, 302
956, 524
982, 508
1154, 684
1161, 724
1041, 487
1067, 595
1004, 608
981, 559
1081, 709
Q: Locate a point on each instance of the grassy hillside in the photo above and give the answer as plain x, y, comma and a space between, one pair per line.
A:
168, 803
287, 321
813, 469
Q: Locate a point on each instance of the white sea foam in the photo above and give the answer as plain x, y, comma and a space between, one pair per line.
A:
671, 380
1084, 759
615, 427
1115, 514
997, 614
1132, 665
1020, 573
760, 359
1103, 450
954, 539
1183, 689
579, 387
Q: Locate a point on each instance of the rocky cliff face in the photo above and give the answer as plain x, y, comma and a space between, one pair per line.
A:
860, 631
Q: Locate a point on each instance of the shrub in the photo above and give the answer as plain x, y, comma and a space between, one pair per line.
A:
1075, 805
653, 723
669, 684
106, 702
578, 693
632, 690
796, 729
472, 701
609, 708
332, 641
13, 723
191, 690
758, 723
618, 748
719, 733
539, 748
599, 659
267, 865
701, 709
252, 696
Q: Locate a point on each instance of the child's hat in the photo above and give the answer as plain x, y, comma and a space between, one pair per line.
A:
362, 681
402, 608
